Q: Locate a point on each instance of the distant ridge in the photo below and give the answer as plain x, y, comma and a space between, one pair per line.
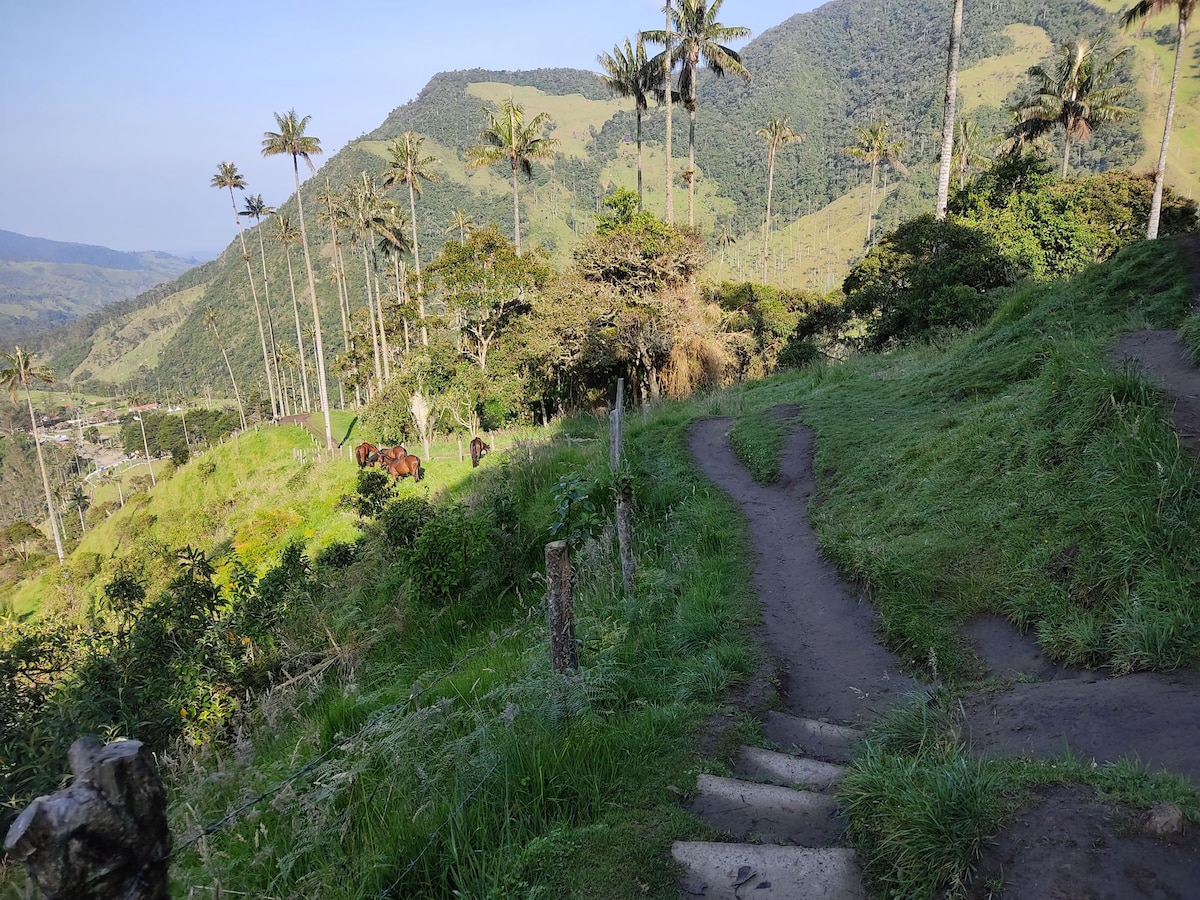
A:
22, 248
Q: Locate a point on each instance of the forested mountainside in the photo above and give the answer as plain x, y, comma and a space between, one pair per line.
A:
46, 283
841, 67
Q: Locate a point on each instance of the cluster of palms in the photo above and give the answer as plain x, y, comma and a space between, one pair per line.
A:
1072, 94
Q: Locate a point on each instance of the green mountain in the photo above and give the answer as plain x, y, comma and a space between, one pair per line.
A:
46, 283
843, 66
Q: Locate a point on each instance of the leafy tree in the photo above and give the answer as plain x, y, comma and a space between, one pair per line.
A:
484, 284
694, 23
628, 74
291, 141
1138, 13
20, 539
1072, 94
777, 133
876, 145
949, 109
407, 166
507, 136
228, 177
18, 371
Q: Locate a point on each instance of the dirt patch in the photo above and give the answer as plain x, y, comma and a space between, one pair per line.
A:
1160, 357
1070, 845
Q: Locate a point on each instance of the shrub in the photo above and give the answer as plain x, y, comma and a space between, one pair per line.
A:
403, 520
449, 555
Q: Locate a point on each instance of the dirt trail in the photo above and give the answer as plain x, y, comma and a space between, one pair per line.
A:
821, 632
1070, 845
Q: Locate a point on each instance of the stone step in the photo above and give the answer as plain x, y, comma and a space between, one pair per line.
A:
757, 764
718, 871
809, 737
768, 812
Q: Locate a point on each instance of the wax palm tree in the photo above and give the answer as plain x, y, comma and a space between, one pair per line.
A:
407, 166
18, 372
1138, 13
967, 155
777, 133
701, 37
287, 236
462, 223
1072, 94
254, 207
628, 74
949, 110
392, 241
335, 215
291, 141
876, 145
367, 215
210, 320
725, 239
507, 136
228, 177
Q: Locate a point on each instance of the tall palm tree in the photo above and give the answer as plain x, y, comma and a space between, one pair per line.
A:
1138, 13
776, 134
949, 109
368, 214
287, 235
875, 145
406, 166
966, 155
694, 23
228, 177
254, 207
1072, 94
18, 371
627, 74
335, 214
210, 319
507, 136
462, 223
291, 140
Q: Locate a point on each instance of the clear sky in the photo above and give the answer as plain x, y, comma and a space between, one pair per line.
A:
115, 113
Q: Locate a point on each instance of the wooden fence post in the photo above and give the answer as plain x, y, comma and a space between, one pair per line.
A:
103, 836
563, 653
616, 420
460, 454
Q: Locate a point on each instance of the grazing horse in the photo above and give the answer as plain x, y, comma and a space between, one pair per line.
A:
364, 454
404, 465
478, 448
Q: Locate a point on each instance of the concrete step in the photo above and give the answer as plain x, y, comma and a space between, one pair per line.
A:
809, 737
768, 813
718, 871
757, 764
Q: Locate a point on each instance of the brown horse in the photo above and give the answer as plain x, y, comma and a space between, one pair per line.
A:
478, 448
405, 465
364, 454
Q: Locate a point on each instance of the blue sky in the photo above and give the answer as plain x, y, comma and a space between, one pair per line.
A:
114, 115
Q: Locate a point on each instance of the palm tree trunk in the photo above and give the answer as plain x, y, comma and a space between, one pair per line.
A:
639, 156
312, 293
1161, 171
767, 223
1066, 156
228, 368
667, 86
45, 477
270, 320
371, 316
948, 110
262, 335
412, 209
871, 204
383, 343
307, 401
692, 166
516, 209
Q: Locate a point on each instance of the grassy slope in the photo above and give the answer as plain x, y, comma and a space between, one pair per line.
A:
136, 340
991, 81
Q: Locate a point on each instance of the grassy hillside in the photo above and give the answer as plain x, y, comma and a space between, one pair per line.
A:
415, 736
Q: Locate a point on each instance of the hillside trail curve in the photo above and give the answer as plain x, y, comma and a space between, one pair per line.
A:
820, 632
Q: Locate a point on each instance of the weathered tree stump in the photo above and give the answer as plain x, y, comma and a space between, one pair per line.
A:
564, 655
105, 835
